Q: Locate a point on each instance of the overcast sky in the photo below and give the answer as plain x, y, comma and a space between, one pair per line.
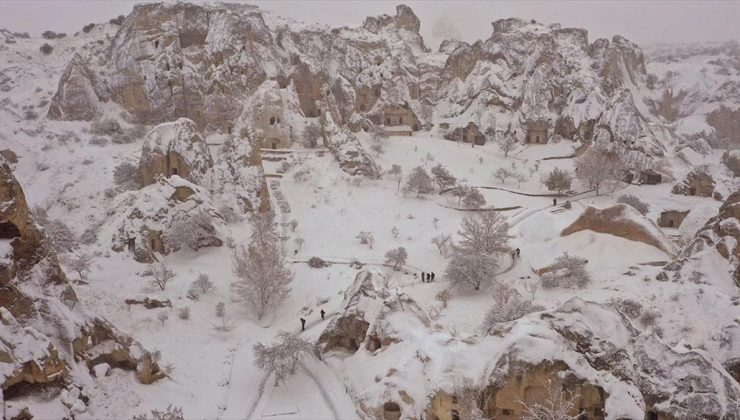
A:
640, 21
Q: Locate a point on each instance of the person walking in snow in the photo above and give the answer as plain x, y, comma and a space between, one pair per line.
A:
303, 324
422, 277
517, 253
322, 314
432, 276
429, 277
554, 202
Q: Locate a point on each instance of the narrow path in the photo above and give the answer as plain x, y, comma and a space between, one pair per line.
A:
327, 400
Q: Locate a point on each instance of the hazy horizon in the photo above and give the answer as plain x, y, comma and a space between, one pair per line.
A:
643, 22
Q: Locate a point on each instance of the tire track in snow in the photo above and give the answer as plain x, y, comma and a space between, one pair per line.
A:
324, 394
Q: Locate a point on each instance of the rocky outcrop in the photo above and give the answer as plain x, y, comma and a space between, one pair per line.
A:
77, 96
698, 182
731, 159
44, 331
623, 221
347, 150
163, 217
174, 148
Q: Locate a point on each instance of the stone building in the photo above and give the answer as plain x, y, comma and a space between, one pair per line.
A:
536, 132
672, 218
467, 134
174, 148
394, 115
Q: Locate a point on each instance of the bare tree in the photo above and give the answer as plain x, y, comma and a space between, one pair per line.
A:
598, 166
395, 232
532, 288
460, 192
397, 257
443, 243
81, 264
474, 199
127, 176
160, 273
397, 172
558, 180
487, 232
476, 270
470, 399
298, 241
379, 133
171, 413
193, 230
262, 276
427, 159
520, 177
377, 149
506, 144
557, 406
419, 182
311, 135
442, 177
203, 283
502, 174
281, 358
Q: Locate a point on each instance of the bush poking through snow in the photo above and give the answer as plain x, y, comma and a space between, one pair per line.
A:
161, 274
635, 202
558, 180
316, 262
468, 398
172, 413
281, 358
396, 257
509, 306
220, 310
444, 297
395, 232
366, 238
557, 406
127, 176
163, 317
649, 318
567, 271
46, 49
183, 313
194, 231
311, 136
202, 284
60, 236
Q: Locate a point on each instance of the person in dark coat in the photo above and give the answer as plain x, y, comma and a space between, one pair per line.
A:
554, 201
322, 314
429, 277
432, 276
422, 277
303, 324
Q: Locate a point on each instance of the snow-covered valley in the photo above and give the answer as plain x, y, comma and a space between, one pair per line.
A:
207, 176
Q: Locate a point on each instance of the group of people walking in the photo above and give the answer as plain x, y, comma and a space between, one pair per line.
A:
427, 277
303, 320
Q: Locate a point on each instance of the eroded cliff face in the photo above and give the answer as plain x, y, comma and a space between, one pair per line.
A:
204, 61
44, 332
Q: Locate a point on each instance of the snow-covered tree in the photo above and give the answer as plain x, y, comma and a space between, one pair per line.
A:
460, 192
557, 406
508, 307
194, 231
468, 397
486, 232
635, 202
476, 270
397, 172
262, 277
281, 358
442, 177
567, 271
396, 257
558, 180
598, 166
395, 232
377, 149
506, 144
81, 264
443, 243
502, 174
311, 135
203, 283
474, 199
419, 182
161, 274
379, 133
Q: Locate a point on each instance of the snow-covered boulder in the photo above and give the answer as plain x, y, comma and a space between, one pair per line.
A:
174, 148
698, 182
624, 221
163, 217
77, 95
347, 150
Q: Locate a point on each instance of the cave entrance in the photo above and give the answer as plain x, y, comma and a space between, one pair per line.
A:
9, 231
131, 244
